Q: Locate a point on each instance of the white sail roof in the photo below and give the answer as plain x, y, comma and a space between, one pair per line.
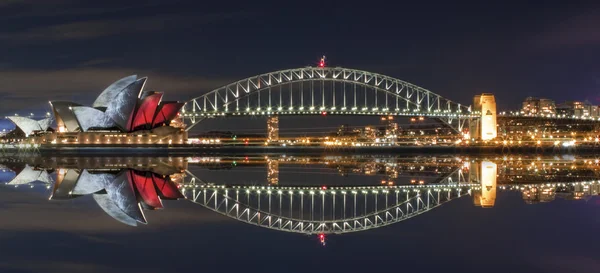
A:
111, 91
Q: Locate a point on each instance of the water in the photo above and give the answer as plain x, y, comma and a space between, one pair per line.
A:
294, 213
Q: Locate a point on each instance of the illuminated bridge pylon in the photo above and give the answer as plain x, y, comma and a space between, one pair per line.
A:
324, 90
313, 210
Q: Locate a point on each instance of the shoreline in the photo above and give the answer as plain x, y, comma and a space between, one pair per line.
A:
207, 150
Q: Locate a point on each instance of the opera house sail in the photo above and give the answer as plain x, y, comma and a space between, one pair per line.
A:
28, 126
123, 110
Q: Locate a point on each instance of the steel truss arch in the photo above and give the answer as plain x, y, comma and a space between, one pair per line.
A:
387, 95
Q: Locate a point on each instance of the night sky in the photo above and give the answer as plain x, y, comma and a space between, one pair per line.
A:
72, 50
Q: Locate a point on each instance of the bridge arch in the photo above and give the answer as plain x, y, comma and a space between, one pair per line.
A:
313, 90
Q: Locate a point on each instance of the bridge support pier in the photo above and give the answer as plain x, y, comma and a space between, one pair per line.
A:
485, 127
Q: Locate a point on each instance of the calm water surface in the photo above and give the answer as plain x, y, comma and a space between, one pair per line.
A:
283, 213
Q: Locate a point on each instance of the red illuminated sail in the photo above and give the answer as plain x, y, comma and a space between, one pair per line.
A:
145, 113
166, 112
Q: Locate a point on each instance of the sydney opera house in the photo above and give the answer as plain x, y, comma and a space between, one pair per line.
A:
122, 114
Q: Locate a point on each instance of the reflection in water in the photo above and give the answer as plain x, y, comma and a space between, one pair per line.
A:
410, 186
485, 172
123, 188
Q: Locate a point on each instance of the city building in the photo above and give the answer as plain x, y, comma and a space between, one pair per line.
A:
536, 106
122, 114
578, 109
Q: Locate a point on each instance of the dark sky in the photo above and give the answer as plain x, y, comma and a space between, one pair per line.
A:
72, 50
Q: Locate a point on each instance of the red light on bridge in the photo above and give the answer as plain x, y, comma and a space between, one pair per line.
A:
323, 187
324, 113
322, 62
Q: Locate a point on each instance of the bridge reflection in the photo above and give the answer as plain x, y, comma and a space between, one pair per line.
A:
125, 187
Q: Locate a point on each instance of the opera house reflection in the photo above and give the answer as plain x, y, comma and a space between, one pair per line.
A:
385, 190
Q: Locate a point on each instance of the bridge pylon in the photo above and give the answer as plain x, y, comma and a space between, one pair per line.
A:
484, 128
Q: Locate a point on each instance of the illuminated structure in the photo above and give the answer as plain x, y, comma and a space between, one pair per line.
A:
27, 126
273, 128
324, 90
123, 105
66, 121
122, 114
486, 128
535, 106
578, 109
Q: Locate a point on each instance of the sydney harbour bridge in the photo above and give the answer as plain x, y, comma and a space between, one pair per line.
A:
312, 209
324, 90
341, 91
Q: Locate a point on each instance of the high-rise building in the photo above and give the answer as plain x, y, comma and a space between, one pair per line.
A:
535, 106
